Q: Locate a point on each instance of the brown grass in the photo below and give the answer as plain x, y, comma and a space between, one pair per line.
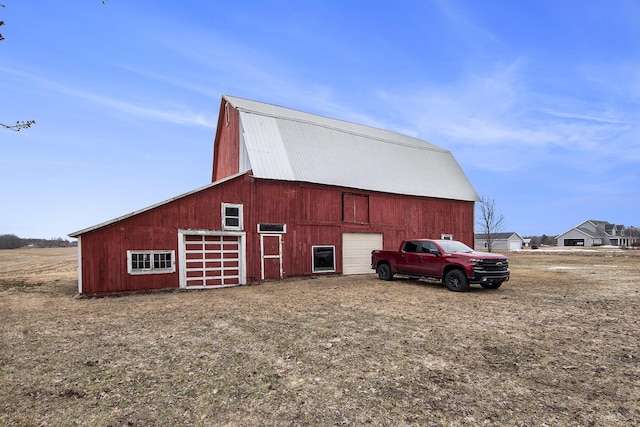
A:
557, 345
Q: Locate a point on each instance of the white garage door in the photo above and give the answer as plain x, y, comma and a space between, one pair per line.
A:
211, 260
356, 251
515, 246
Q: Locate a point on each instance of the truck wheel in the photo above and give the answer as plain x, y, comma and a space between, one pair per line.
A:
491, 285
456, 281
384, 272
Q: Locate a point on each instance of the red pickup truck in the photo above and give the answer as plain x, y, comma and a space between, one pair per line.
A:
452, 262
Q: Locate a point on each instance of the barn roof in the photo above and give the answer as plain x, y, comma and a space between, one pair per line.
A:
286, 144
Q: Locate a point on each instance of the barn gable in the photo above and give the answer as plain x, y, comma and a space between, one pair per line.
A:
285, 144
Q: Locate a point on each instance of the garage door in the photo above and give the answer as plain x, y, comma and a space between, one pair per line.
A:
356, 251
211, 260
515, 246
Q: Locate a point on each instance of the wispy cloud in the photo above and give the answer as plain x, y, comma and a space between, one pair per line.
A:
498, 113
182, 115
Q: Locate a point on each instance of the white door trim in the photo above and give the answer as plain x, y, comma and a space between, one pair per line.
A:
263, 256
242, 252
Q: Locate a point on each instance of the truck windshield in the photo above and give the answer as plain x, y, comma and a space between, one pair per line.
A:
454, 246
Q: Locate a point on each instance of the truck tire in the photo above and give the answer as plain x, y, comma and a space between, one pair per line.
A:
384, 272
491, 285
456, 281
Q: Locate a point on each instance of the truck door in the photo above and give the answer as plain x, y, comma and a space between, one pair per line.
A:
429, 261
408, 258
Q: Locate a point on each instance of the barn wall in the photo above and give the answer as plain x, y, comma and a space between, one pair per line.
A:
104, 250
313, 215
402, 217
226, 147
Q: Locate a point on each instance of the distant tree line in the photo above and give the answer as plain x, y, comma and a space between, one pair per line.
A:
543, 240
11, 241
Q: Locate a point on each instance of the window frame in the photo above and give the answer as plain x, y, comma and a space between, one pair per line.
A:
240, 226
152, 262
317, 269
261, 230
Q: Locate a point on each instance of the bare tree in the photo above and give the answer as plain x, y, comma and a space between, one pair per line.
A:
490, 220
19, 124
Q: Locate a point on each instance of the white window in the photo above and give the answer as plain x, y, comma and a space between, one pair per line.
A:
446, 236
151, 262
232, 217
272, 228
324, 259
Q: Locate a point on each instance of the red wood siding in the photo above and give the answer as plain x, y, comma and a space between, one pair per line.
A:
355, 208
312, 214
104, 250
226, 147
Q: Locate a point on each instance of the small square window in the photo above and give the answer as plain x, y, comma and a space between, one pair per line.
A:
231, 216
324, 259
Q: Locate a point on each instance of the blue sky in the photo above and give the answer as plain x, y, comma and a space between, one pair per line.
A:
539, 101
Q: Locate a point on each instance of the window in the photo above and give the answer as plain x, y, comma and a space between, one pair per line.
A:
272, 228
231, 217
151, 262
411, 247
446, 236
324, 259
226, 113
429, 248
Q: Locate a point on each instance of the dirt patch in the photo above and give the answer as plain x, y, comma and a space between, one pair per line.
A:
554, 346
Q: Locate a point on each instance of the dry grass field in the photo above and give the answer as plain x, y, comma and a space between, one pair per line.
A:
558, 345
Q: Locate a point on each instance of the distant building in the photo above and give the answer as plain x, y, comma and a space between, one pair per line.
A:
510, 241
596, 233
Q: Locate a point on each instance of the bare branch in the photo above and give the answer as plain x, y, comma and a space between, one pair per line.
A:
1, 24
19, 125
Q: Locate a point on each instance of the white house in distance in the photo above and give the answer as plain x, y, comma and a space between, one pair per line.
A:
596, 233
509, 241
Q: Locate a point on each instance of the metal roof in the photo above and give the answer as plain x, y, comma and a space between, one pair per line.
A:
291, 145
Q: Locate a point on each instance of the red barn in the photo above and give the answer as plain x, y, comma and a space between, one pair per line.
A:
292, 194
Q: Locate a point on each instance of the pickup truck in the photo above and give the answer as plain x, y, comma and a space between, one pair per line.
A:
450, 261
